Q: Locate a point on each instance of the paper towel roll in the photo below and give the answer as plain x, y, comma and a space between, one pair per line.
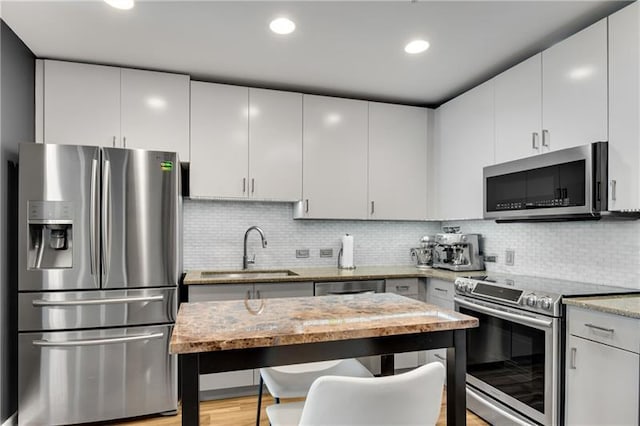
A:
347, 252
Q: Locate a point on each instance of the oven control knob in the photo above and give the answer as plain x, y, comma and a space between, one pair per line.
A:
531, 300
545, 303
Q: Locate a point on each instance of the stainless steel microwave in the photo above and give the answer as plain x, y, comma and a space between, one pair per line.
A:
569, 184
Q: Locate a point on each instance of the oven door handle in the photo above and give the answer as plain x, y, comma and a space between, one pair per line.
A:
505, 314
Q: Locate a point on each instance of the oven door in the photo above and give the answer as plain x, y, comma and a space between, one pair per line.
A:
513, 357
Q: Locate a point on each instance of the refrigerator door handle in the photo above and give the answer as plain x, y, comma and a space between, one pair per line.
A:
96, 342
115, 300
106, 219
94, 220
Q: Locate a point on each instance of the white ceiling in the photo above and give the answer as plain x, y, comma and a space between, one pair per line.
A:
350, 49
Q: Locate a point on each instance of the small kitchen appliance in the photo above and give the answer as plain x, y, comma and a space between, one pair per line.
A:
515, 356
458, 252
423, 255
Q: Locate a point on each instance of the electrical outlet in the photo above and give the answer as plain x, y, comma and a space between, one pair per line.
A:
491, 258
302, 253
326, 252
509, 257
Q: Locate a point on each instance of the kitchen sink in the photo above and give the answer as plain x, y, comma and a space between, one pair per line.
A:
248, 275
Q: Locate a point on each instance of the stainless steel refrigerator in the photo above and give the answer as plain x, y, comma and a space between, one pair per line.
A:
99, 263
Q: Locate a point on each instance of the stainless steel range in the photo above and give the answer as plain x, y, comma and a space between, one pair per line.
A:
515, 358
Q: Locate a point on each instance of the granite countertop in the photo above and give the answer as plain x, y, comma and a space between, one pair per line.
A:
215, 326
332, 274
625, 305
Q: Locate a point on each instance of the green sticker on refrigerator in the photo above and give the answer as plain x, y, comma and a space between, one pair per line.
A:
166, 166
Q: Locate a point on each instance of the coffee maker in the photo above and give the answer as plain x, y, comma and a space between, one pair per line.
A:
458, 252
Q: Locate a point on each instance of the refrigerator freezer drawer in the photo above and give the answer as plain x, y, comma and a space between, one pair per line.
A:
96, 309
96, 375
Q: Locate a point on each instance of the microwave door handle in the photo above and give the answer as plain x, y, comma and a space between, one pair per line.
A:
534, 322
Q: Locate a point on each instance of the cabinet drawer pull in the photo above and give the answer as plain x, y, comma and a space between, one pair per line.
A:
572, 364
545, 138
534, 140
402, 287
597, 327
440, 357
613, 189
441, 289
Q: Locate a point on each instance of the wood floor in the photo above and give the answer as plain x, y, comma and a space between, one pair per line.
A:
242, 412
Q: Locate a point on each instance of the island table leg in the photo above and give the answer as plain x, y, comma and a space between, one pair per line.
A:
190, 389
456, 379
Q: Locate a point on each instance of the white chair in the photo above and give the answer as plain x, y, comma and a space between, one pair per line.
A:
294, 381
411, 398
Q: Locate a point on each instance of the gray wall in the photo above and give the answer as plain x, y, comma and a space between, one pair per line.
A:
17, 117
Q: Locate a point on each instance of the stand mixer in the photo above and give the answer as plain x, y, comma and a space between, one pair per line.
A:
423, 255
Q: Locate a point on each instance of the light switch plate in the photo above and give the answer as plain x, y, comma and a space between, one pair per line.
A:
326, 252
509, 257
302, 253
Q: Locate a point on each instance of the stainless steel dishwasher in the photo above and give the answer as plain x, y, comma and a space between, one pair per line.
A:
354, 287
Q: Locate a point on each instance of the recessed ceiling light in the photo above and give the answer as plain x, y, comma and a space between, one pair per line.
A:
416, 46
120, 4
282, 26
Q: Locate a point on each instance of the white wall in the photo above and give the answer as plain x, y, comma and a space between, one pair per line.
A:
214, 233
599, 252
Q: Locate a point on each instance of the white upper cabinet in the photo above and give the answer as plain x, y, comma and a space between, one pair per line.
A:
464, 144
624, 109
574, 89
219, 140
245, 143
115, 107
81, 104
518, 110
275, 145
397, 162
155, 111
334, 158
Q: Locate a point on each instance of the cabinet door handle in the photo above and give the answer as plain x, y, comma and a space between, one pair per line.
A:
373, 207
244, 185
440, 357
534, 141
306, 205
124, 142
614, 183
253, 185
597, 327
572, 363
114, 142
545, 138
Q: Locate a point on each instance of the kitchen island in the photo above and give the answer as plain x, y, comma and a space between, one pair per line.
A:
225, 336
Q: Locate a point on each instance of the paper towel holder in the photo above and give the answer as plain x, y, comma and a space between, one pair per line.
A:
340, 265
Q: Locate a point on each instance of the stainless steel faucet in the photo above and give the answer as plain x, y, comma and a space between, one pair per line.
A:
245, 260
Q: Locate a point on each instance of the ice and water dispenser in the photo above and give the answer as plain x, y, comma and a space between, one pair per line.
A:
50, 228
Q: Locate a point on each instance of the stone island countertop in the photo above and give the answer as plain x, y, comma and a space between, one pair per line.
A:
624, 305
328, 274
216, 326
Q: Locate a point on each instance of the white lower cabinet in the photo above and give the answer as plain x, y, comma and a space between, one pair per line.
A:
602, 381
439, 293
219, 292
408, 287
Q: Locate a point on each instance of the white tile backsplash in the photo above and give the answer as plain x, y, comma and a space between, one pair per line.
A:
599, 252
214, 233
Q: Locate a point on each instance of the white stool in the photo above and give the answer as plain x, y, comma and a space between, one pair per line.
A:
293, 381
410, 398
